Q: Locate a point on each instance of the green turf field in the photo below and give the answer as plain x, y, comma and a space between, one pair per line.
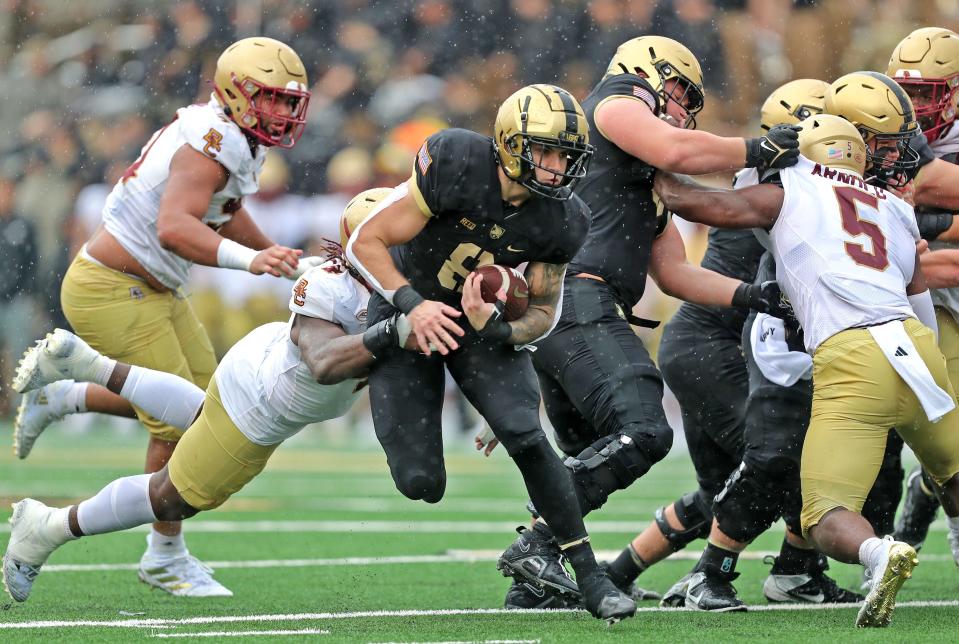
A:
322, 546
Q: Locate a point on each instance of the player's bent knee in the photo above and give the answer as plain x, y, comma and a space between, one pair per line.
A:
695, 516
167, 502
748, 505
421, 486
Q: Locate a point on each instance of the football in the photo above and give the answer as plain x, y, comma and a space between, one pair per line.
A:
507, 284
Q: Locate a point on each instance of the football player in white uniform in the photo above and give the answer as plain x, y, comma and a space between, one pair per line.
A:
181, 202
846, 257
279, 378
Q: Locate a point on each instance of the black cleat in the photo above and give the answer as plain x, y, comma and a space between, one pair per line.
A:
713, 592
604, 601
812, 587
524, 595
535, 558
675, 597
632, 591
919, 510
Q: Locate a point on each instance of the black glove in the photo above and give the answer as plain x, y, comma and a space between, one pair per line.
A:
778, 149
765, 298
496, 328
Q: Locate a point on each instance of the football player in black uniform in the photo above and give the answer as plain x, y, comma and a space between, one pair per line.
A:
473, 200
603, 394
701, 357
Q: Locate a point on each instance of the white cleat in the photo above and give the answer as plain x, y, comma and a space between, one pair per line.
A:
887, 579
184, 576
31, 542
59, 356
38, 408
954, 545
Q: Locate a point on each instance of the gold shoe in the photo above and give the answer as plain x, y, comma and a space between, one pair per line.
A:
877, 610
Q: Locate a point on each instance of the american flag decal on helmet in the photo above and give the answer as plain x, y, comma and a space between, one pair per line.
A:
644, 95
423, 159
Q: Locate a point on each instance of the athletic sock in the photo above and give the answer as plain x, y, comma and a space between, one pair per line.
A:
953, 523
162, 547
717, 560
124, 503
75, 398
793, 560
168, 398
872, 552
626, 567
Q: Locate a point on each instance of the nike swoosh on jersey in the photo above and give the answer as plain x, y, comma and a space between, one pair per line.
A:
514, 250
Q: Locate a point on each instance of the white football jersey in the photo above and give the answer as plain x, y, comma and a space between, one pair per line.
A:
844, 251
266, 389
133, 206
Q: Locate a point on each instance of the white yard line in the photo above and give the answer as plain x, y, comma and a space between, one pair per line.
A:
305, 631
467, 642
451, 556
464, 612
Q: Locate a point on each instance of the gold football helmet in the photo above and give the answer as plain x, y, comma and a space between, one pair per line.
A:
926, 64
832, 141
793, 102
262, 84
882, 112
658, 59
547, 116
358, 210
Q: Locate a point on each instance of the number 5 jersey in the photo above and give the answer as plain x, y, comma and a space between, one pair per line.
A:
845, 251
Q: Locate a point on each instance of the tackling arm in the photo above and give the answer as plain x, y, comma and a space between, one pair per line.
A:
331, 354
752, 207
678, 278
937, 185
243, 230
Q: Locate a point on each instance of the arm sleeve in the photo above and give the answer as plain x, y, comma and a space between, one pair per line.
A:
933, 224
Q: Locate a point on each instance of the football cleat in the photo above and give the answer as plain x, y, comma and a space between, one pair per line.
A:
605, 601
632, 591
184, 576
675, 597
32, 540
812, 587
524, 595
535, 557
887, 579
954, 546
59, 356
713, 592
919, 510
38, 408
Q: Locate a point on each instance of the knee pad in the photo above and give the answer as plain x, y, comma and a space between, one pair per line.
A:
694, 513
614, 462
748, 505
421, 486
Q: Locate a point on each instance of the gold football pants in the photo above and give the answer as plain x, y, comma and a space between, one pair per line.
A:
123, 318
857, 397
214, 459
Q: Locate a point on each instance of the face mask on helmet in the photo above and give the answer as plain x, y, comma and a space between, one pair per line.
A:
891, 161
682, 92
934, 102
276, 116
532, 150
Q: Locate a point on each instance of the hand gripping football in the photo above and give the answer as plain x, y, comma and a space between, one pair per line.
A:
502, 283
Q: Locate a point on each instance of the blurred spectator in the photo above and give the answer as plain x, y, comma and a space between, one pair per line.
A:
18, 270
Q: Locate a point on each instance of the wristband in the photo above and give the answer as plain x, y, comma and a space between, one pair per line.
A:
380, 337
230, 254
406, 298
496, 327
742, 296
754, 156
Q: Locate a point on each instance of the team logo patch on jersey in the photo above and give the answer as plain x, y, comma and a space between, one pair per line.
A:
424, 159
214, 142
496, 232
361, 316
299, 292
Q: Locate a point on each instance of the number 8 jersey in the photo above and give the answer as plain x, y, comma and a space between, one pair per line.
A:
844, 251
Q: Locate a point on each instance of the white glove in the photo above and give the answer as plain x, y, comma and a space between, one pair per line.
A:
486, 438
306, 263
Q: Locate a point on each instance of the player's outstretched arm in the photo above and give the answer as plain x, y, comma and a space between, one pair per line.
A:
752, 207
937, 185
193, 180
331, 355
632, 127
399, 220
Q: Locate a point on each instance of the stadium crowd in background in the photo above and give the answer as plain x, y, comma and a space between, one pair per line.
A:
88, 85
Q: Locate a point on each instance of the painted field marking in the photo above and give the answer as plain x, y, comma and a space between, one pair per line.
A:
451, 612
466, 642
305, 631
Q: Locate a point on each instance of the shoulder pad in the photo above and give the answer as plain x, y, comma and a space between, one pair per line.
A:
208, 131
318, 291
632, 86
452, 170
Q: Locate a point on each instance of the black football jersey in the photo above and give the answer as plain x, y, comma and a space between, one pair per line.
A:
456, 184
619, 192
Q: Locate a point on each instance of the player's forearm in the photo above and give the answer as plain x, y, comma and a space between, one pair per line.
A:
696, 284
701, 204
937, 186
940, 268
535, 323
371, 257
243, 230
189, 238
700, 152
339, 359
